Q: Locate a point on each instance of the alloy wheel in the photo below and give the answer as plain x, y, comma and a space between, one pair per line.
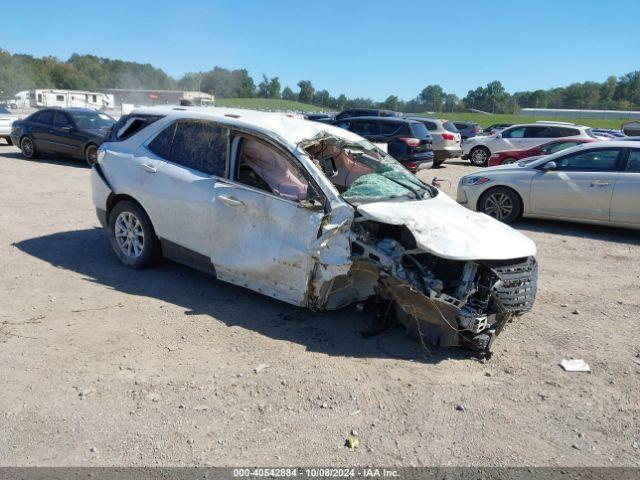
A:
129, 234
27, 147
479, 156
498, 206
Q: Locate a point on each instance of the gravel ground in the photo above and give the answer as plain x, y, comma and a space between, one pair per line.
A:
107, 366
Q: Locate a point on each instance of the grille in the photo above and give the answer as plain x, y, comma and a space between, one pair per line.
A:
515, 291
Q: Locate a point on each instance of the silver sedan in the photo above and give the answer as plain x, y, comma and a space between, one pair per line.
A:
592, 183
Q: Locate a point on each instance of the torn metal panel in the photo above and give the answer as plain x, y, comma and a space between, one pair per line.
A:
444, 228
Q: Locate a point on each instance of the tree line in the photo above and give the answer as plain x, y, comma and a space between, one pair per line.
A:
89, 72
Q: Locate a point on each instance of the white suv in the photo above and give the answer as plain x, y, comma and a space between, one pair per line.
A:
310, 214
519, 137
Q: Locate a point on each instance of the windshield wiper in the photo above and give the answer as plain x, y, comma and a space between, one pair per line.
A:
418, 195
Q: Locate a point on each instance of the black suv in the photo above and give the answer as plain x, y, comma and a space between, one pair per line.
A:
408, 141
71, 132
366, 112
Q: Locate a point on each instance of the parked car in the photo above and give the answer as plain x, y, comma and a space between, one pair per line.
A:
6, 121
479, 149
312, 215
322, 117
608, 132
495, 128
445, 139
512, 156
366, 112
630, 139
408, 141
71, 132
596, 182
468, 129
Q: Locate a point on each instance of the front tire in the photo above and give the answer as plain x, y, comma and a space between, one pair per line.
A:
132, 236
479, 156
28, 148
91, 154
501, 203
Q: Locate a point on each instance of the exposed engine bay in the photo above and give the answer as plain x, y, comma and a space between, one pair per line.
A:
445, 302
416, 250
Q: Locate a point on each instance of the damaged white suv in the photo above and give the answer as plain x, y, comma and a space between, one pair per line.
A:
310, 214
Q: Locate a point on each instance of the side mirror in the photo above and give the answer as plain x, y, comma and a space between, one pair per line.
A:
498, 135
549, 166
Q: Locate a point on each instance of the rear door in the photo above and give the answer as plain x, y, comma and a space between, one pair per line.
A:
580, 187
537, 135
625, 205
68, 140
179, 171
509, 139
42, 131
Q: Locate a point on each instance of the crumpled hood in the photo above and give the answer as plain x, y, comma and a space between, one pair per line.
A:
448, 230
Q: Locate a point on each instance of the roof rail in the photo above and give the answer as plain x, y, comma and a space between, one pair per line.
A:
552, 122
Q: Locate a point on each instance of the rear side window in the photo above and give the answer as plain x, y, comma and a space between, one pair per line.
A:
201, 145
161, 145
129, 125
365, 128
461, 126
538, 132
62, 120
46, 117
34, 117
419, 130
432, 126
388, 128
449, 127
565, 132
633, 165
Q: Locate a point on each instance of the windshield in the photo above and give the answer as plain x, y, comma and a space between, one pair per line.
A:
363, 173
92, 120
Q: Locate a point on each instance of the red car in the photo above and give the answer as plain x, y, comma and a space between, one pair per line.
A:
511, 156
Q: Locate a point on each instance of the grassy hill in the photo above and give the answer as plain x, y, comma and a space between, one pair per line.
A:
267, 104
483, 120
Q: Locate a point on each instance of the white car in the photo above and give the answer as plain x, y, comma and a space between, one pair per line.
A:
309, 214
6, 121
597, 182
519, 137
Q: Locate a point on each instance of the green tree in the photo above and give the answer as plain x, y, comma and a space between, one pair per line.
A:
306, 91
288, 94
274, 88
432, 97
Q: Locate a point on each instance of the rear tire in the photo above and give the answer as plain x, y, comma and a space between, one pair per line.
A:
501, 203
132, 236
9, 141
28, 148
479, 156
509, 160
437, 163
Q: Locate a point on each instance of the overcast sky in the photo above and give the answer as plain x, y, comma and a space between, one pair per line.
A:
360, 48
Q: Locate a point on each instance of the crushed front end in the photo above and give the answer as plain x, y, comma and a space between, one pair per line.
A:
441, 301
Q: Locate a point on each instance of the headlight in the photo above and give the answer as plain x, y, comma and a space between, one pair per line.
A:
475, 180
101, 153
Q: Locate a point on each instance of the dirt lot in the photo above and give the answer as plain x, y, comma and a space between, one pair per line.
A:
106, 366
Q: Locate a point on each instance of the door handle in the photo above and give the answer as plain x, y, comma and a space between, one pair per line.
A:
234, 202
600, 183
148, 168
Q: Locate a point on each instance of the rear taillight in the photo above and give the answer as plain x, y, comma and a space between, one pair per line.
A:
410, 142
448, 136
411, 165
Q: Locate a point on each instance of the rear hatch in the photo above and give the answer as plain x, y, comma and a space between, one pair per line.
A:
420, 143
451, 137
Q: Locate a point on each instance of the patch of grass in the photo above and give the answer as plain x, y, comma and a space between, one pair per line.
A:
486, 120
267, 104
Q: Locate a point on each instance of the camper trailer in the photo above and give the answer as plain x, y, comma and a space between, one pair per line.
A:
69, 98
